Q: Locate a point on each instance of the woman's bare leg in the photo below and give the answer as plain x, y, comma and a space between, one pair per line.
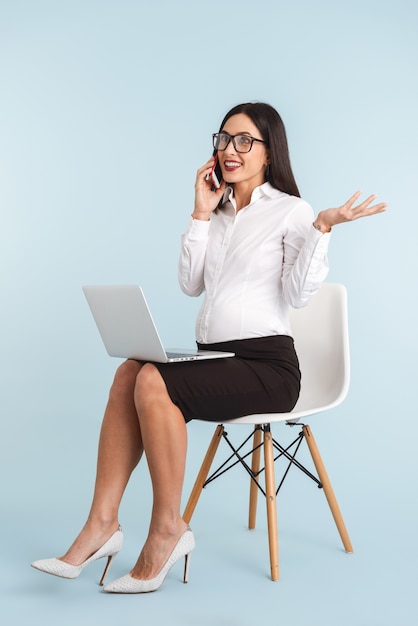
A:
120, 449
164, 437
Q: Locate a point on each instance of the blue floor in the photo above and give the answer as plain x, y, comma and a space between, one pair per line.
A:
320, 585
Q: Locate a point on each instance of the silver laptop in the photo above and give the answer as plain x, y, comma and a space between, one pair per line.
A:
127, 329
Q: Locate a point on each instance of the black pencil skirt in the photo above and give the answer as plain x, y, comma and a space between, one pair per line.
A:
263, 377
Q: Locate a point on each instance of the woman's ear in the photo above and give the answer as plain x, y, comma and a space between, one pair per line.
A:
268, 157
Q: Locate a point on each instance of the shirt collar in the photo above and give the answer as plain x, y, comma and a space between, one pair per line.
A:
266, 189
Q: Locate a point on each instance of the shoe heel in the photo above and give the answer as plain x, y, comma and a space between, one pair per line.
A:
186, 568
106, 569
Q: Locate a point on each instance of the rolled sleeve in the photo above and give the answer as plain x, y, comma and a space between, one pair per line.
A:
192, 257
306, 266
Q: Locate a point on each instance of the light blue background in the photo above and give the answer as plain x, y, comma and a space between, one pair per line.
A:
106, 112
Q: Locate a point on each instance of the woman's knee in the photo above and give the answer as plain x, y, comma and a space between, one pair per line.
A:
125, 378
149, 384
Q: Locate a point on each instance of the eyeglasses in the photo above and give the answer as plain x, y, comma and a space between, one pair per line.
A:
241, 143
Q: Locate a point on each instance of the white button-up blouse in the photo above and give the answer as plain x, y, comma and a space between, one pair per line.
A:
252, 265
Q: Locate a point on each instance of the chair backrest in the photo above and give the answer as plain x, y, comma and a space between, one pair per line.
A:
320, 331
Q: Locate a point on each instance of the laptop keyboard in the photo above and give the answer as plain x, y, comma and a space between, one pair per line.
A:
178, 355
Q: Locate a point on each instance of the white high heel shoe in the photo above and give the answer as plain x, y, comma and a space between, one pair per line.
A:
129, 584
66, 570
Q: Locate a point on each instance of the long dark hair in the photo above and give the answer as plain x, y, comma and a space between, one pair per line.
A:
279, 172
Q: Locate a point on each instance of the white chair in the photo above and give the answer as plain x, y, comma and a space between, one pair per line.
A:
320, 331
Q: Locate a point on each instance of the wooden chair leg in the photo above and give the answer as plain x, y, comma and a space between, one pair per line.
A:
271, 503
329, 493
255, 468
203, 474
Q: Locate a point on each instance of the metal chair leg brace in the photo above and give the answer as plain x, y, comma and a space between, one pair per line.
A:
283, 452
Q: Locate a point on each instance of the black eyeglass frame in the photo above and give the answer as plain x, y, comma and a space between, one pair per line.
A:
232, 138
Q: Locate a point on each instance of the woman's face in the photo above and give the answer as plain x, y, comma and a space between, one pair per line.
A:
243, 167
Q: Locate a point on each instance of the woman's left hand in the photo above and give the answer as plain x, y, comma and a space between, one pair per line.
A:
348, 212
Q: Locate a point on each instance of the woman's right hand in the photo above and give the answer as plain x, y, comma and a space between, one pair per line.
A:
206, 199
